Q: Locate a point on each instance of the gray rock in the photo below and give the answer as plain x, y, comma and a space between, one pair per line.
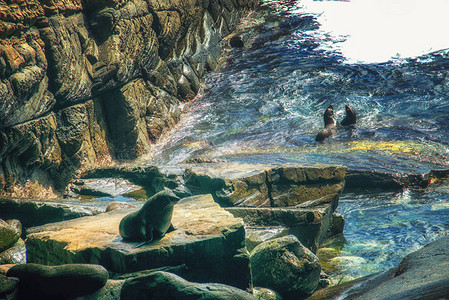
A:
34, 213
71, 280
163, 285
286, 266
16, 254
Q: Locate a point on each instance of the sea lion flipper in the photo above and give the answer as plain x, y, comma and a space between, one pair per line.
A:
172, 228
150, 239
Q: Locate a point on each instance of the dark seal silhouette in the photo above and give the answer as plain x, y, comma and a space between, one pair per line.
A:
58, 282
150, 222
350, 118
330, 125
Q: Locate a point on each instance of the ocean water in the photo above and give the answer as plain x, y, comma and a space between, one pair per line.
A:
387, 60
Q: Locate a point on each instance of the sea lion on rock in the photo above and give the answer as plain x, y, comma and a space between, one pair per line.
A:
150, 222
350, 118
330, 125
58, 282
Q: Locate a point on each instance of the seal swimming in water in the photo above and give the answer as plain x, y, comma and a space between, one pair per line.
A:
330, 125
150, 222
350, 118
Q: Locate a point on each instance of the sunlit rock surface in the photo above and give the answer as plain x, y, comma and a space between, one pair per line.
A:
209, 241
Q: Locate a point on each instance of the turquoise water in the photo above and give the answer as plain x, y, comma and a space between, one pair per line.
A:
382, 228
266, 106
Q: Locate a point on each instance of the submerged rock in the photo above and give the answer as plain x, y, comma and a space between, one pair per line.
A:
52, 282
286, 266
209, 241
164, 285
423, 274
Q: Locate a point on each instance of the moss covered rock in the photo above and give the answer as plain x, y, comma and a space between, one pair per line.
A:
286, 266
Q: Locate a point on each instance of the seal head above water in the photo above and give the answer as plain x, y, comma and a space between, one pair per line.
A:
330, 125
350, 118
150, 222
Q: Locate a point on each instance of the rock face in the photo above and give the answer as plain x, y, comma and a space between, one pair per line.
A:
83, 83
286, 266
164, 285
209, 242
58, 282
267, 186
423, 274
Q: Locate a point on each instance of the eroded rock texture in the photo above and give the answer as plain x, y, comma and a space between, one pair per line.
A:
84, 83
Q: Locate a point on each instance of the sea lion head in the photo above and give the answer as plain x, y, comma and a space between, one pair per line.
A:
167, 197
329, 118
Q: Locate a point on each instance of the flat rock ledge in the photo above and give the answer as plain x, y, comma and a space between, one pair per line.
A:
209, 242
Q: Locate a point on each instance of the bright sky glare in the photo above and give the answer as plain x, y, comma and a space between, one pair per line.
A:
378, 30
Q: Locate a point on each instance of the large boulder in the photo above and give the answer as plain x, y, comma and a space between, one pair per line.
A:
209, 241
286, 266
164, 285
65, 281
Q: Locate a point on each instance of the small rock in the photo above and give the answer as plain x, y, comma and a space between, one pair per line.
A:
266, 294
16, 254
8, 235
164, 285
236, 42
71, 280
8, 287
286, 266
118, 205
16, 225
4, 268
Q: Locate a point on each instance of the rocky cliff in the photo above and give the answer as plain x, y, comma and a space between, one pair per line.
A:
85, 83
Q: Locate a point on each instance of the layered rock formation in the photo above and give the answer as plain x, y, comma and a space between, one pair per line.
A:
84, 83
208, 246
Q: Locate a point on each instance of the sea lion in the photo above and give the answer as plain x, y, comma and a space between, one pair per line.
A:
330, 125
350, 118
150, 222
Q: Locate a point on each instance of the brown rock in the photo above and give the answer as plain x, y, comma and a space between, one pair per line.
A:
209, 241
